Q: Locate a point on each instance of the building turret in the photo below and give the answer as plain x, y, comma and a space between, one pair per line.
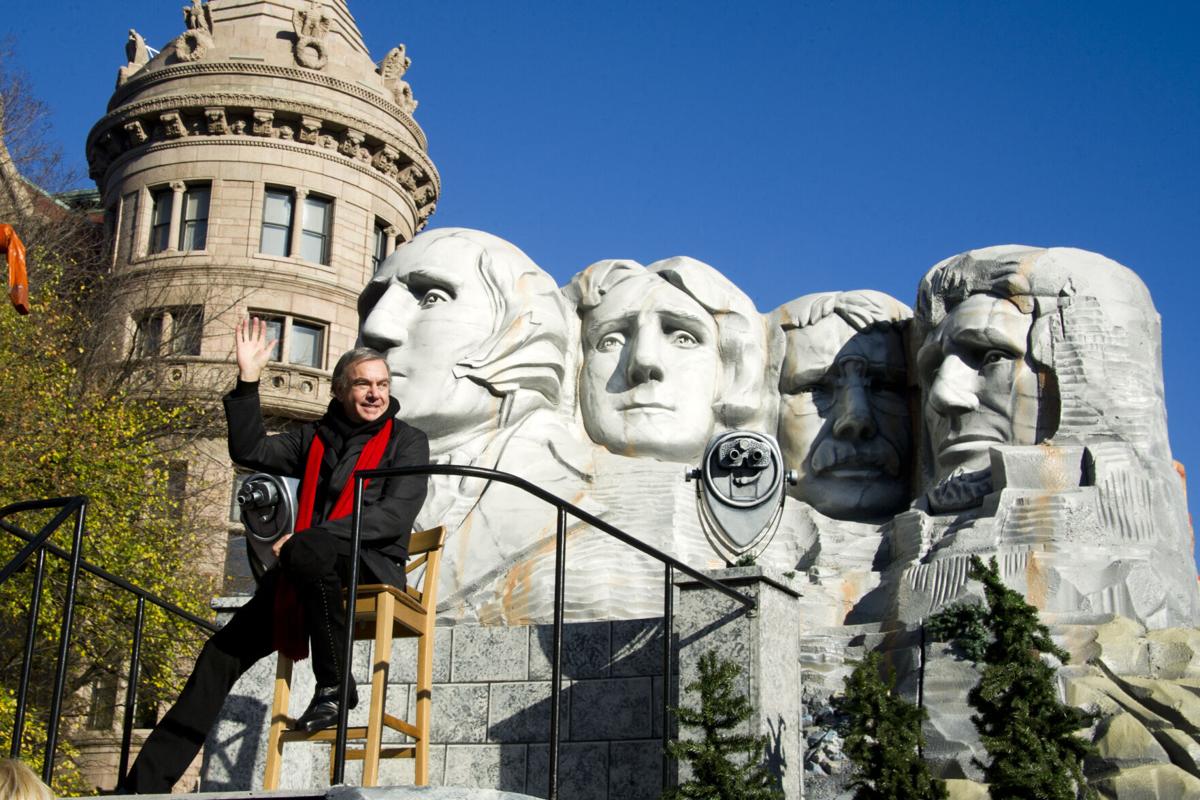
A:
262, 162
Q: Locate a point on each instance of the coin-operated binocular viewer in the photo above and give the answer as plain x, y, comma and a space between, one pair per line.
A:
740, 492
268, 508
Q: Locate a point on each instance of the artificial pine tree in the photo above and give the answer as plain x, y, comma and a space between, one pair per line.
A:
726, 765
883, 738
1030, 735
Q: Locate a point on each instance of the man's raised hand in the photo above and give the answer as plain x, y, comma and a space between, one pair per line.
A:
253, 348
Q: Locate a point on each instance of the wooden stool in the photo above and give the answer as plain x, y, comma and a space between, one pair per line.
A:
382, 613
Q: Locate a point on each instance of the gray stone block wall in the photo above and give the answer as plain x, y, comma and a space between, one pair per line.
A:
491, 714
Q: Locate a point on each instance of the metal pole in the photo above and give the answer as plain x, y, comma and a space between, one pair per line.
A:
560, 568
64, 647
339, 748
668, 624
35, 601
131, 690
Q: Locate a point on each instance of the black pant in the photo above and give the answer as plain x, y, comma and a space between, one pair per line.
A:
312, 562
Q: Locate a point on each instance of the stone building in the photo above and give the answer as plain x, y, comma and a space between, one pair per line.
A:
261, 162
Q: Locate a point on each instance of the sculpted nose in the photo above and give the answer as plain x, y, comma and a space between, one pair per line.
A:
386, 326
852, 417
645, 361
953, 390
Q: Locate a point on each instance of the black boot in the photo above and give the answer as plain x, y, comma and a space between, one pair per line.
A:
322, 711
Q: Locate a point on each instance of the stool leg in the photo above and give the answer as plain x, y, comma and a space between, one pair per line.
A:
279, 719
424, 689
385, 606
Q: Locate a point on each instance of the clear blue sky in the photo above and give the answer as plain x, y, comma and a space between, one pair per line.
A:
797, 147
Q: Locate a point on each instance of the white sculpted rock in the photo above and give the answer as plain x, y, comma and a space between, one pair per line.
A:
1042, 433
843, 415
476, 339
1045, 440
672, 353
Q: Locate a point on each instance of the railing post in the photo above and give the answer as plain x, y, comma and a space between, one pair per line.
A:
339, 747
64, 645
35, 602
560, 569
131, 689
668, 624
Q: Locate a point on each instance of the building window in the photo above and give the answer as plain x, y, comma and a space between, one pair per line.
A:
188, 223
102, 705
148, 334
314, 235
379, 252
174, 331
160, 219
193, 228
302, 340
277, 223
176, 487
308, 344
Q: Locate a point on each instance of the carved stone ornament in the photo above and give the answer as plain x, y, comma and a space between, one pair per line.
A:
264, 120
137, 54
311, 25
385, 160
285, 132
410, 176
215, 119
136, 132
351, 142
198, 17
392, 70
173, 126
193, 45
310, 130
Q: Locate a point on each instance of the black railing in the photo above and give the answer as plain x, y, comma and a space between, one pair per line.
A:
670, 564
40, 543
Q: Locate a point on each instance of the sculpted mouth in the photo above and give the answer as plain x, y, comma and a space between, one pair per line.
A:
850, 472
647, 407
969, 441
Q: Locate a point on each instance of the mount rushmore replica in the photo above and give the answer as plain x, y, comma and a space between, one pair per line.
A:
1017, 412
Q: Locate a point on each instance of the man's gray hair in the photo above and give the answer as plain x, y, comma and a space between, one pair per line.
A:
348, 360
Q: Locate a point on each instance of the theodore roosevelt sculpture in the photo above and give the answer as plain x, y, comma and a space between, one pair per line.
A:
475, 337
843, 412
671, 353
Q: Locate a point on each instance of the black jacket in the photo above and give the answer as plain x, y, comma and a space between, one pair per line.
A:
389, 505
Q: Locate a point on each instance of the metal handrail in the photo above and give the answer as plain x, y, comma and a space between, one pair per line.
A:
563, 508
39, 543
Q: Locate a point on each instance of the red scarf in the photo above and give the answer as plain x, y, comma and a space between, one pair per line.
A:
291, 638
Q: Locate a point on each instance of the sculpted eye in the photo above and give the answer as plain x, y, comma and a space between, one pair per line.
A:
433, 297
683, 339
996, 356
609, 342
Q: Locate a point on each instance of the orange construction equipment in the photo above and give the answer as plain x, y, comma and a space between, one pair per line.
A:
18, 279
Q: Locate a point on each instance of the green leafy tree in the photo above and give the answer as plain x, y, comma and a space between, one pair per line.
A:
883, 737
63, 431
1031, 736
726, 765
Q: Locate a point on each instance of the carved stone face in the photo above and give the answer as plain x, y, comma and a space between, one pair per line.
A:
978, 385
650, 371
843, 418
434, 311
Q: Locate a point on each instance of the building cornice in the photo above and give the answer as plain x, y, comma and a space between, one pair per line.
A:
147, 78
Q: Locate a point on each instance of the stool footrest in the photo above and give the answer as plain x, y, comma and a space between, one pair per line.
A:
396, 724
403, 751
326, 735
